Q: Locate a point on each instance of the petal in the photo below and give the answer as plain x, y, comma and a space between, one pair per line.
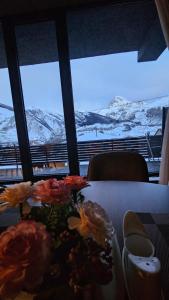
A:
74, 222
24, 296
4, 206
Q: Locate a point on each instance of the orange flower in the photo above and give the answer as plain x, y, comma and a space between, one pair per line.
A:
76, 182
24, 257
51, 191
93, 222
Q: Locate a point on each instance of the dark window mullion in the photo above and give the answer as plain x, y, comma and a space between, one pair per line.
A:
17, 97
67, 94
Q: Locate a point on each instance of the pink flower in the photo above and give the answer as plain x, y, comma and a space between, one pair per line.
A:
24, 257
76, 182
52, 191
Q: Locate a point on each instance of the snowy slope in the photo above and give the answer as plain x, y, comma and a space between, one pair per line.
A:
128, 119
121, 118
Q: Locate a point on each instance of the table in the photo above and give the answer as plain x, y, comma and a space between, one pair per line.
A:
116, 197
147, 199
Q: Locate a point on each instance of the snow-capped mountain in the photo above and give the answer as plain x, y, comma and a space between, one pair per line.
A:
129, 118
121, 118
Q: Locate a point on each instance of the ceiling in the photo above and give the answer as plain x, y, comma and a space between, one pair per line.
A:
17, 7
122, 27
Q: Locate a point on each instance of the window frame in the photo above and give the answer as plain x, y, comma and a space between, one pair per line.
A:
8, 30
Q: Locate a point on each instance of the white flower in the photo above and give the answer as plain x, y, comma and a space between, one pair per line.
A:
92, 222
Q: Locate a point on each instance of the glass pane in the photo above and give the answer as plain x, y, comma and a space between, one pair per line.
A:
10, 165
42, 95
119, 66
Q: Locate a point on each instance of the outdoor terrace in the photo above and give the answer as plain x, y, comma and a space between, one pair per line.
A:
53, 158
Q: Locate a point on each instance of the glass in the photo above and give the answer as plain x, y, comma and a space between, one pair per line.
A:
40, 77
10, 165
120, 82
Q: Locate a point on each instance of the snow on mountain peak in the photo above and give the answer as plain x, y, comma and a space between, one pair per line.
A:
118, 101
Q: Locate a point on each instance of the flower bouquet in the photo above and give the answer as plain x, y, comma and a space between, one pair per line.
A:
60, 246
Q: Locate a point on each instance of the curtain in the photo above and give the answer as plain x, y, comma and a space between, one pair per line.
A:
163, 12
164, 166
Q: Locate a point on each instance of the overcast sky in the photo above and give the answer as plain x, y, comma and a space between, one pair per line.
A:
96, 81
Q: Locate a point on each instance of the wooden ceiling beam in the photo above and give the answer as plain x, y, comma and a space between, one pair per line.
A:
26, 13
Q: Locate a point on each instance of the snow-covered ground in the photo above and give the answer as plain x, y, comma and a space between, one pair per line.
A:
90, 134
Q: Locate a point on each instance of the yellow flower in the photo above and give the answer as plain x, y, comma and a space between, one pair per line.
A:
92, 223
16, 193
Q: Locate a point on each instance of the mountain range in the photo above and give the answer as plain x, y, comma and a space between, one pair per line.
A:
121, 118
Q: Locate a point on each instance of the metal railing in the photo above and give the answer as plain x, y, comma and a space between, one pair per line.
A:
43, 155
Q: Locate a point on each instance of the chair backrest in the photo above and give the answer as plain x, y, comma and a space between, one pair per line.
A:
127, 166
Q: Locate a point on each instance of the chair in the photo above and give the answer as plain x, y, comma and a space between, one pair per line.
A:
126, 166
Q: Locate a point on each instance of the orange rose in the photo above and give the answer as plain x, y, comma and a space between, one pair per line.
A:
24, 257
51, 191
76, 182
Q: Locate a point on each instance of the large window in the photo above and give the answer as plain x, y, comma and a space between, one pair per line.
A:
119, 97
40, 76
113, 57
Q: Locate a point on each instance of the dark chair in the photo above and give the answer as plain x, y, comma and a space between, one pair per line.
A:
127, 166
